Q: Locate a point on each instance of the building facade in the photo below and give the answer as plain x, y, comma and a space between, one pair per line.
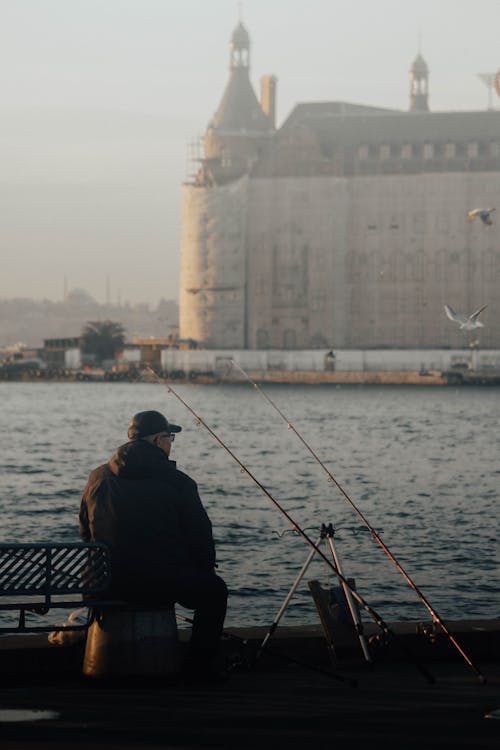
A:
347, 227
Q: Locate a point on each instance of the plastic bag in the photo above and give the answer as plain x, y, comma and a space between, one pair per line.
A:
69, 637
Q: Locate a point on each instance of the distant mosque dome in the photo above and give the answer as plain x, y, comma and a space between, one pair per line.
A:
78, 296
240, 38
419, 67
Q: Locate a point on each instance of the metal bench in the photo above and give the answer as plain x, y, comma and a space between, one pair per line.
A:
46, 575
122, 638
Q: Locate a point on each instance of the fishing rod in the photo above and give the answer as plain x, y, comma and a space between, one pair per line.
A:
388, 633
435, 617
280, 655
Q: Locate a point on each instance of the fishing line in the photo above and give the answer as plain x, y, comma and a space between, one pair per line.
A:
376, 536
389, 634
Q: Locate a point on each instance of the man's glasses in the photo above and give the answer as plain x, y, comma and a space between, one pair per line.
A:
169, 435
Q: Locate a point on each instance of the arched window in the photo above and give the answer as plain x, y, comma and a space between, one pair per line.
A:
428, 151
472, 150
449, 151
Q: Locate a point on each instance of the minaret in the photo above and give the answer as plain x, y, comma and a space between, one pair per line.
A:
419, 85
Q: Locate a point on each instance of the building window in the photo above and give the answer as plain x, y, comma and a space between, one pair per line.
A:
449, 151
494, 148
385, 151
428, 151
472, 150
363, 153
406, 151
318, 301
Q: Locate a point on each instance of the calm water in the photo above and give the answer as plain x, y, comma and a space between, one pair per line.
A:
422, 464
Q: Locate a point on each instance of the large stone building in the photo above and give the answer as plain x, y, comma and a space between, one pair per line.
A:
346, 227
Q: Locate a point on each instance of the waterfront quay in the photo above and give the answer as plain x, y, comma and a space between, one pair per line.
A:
459, 376
315, 366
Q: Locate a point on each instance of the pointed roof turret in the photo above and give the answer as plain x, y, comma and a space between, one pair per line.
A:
419, 67
239, 109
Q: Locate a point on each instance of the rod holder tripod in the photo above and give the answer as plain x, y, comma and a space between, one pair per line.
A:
327, 533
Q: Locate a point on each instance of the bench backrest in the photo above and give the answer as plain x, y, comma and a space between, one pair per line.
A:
51, 569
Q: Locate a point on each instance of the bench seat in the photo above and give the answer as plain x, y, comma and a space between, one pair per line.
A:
41, 576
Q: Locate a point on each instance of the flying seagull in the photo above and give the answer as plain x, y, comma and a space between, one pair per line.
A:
483, 213
467, 324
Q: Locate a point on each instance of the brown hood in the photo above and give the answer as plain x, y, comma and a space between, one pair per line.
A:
140, 460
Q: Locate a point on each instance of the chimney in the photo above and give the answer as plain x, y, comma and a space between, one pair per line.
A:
268, 97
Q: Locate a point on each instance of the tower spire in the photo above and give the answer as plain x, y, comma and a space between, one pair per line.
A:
239, 48
419, 82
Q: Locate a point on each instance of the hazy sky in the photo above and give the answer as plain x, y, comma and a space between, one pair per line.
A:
99, 99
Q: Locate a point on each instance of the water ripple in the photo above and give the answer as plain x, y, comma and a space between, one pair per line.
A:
421, 463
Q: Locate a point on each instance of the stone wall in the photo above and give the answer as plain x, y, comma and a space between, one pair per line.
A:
371, 261
346, 262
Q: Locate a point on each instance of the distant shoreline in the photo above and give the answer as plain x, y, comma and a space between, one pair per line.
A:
379, 377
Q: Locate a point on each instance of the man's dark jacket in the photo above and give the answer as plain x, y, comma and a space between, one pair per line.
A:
149, 514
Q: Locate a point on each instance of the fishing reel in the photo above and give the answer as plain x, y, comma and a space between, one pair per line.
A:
327, 531
237, 663
430, 631
240, 658
381, 640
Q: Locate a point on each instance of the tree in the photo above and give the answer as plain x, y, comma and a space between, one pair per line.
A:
103, 338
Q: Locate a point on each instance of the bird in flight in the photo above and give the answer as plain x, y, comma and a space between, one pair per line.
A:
466, 323
483, 213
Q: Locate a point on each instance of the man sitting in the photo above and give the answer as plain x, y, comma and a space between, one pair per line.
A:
160, 537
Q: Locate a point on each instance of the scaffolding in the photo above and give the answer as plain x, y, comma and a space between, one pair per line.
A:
194, 157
